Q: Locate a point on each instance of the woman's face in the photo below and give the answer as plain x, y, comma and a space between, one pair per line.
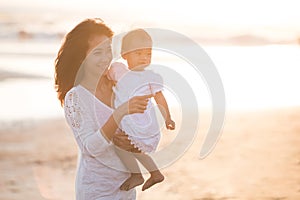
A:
99, 56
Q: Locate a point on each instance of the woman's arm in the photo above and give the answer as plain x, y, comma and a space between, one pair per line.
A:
136, 104
164, 109
91, 141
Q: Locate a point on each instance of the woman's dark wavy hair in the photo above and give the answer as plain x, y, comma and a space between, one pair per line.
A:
73, 52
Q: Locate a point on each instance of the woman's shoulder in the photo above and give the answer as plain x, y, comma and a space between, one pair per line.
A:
74, 91
71, 95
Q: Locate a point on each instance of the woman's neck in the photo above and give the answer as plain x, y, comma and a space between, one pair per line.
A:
104, 91
89, 85
104, 85
97, 86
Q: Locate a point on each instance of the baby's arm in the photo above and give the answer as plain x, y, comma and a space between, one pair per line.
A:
116, 71
111, 74
164, 109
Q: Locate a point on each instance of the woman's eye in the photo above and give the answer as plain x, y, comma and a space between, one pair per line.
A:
98, 52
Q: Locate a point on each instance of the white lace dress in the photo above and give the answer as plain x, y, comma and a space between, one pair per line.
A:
142, 128
99, 171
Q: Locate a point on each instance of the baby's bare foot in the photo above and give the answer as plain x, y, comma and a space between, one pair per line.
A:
156, 177
134, 180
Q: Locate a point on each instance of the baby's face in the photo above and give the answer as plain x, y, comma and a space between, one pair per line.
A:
138, 58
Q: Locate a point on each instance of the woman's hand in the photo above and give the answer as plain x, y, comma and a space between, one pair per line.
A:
121, 140
137, 104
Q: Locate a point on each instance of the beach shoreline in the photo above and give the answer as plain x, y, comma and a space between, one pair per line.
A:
257, 157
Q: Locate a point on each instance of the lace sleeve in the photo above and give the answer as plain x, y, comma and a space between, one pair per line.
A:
72, 111
87, 134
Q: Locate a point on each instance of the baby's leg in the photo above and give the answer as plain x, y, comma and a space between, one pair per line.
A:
131, 164
149, 164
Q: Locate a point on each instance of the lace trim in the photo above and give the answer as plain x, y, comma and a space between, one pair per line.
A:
73, 111
140, 145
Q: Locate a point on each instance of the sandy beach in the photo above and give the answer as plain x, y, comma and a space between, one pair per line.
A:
257, 157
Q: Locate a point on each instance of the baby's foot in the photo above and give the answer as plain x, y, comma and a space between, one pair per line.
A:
156, 177
134, 180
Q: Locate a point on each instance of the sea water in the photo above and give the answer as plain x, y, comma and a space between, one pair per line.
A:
254, 77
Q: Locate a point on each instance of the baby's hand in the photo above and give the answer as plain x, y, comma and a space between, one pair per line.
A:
170, 124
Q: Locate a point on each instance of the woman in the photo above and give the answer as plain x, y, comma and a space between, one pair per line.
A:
85, 92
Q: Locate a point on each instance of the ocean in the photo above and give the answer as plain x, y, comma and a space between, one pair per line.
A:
254, 77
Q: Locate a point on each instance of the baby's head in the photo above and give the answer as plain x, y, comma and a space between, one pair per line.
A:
136, 49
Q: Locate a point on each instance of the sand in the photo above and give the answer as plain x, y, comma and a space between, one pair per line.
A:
257, 157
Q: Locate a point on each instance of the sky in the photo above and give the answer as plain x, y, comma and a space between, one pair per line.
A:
268, 17
271, 18
236, 12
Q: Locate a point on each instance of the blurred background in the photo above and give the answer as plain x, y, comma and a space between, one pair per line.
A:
254, 46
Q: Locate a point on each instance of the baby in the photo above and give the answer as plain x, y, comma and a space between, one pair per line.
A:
142, 129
